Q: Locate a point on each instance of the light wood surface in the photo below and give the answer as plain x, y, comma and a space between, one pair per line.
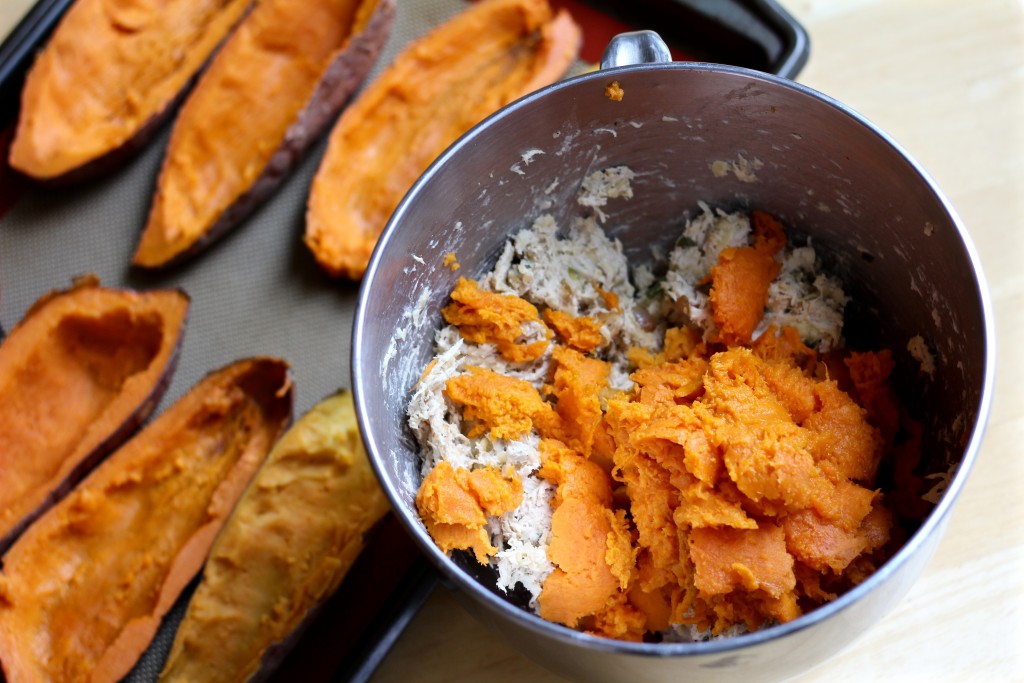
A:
945, 78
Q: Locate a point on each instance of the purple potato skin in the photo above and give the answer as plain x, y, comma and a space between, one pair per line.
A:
340, 80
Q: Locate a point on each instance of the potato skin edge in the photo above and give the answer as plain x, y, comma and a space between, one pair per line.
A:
340, 80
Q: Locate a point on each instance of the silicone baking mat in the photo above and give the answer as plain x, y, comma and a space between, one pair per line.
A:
258, 291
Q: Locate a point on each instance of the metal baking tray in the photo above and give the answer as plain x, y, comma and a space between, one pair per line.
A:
258, 291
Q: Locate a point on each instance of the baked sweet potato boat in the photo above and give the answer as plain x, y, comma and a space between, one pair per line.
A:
78, 375
108, 77
437, 88
285, 549
84, 589
275, 86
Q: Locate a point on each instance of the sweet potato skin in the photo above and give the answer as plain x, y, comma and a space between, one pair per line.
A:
287, 546
497, 50
168, 238
62, 409
84, 589
108, 78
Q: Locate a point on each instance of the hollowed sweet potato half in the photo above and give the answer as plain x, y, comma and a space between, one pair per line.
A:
84, 589
82, 370
288, 544
271, 90
436, 89
110, 74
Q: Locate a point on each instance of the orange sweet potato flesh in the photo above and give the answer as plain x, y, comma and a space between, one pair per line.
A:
454, 504
769, 464
487, 318
498, 50
589, 545
502, 407
78, 375
582, 334
740, 280
578, 383
84, 589
268, 94
111, 72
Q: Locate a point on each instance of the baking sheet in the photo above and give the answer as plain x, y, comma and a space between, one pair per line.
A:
258, 291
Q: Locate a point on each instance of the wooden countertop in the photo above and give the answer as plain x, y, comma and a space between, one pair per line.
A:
945, 78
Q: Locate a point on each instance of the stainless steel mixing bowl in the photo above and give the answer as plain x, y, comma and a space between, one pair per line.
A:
691, 132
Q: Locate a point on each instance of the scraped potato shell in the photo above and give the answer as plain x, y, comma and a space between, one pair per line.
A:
108, 77
438, 87
276, 85
79, 374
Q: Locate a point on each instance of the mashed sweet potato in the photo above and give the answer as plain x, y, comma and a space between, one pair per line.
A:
485, 317
732, 485
590, 541
454, 504
768, 469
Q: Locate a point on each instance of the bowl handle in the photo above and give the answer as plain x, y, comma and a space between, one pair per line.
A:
635, 47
